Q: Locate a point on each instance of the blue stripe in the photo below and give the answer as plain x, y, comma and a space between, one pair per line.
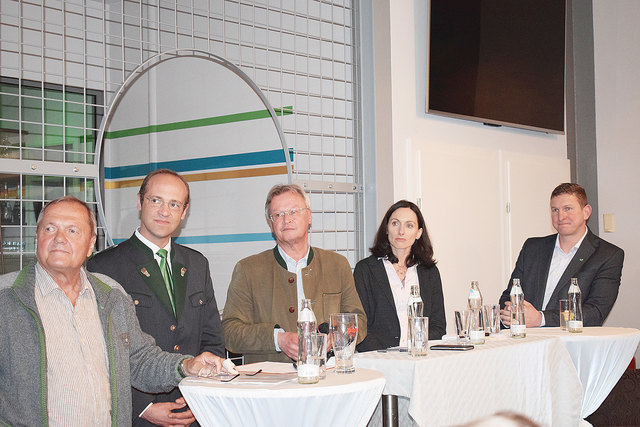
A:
204, 163
225, 238
219, 238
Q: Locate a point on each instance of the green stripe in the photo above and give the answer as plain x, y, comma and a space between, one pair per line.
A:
208, 121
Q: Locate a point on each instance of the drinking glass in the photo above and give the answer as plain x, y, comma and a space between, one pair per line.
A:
344, 332
321, 345
564, 313
310, 353
462, 325
492, 316
418, 336
476, 326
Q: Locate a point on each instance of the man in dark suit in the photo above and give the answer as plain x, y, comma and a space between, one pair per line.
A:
546, 265
180, 312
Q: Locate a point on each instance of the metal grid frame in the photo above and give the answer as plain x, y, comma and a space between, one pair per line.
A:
19, 236
301, 53
55, 112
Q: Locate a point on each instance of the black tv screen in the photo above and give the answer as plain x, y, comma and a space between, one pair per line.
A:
499, 62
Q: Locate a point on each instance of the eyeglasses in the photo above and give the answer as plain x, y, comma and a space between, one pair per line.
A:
278, 216
157, 203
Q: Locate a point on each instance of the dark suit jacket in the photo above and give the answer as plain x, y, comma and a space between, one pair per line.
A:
197, 327
597, 264
383, 326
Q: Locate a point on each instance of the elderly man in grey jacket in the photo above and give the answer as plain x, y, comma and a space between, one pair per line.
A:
72, 346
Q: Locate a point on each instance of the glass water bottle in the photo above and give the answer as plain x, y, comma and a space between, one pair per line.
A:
574, 324
518, 325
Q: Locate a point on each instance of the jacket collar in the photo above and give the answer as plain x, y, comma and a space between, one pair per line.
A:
24, 286
380, 272
281, 261
25, 283
147, 268
586, 249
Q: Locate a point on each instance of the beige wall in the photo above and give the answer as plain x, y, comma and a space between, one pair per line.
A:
458, 168
433, 157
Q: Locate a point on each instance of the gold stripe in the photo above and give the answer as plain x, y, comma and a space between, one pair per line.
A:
207, 176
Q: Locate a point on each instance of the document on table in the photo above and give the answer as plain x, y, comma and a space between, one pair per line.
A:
270, 373
268, 368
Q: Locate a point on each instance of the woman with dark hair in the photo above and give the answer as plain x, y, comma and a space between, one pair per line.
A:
402, 256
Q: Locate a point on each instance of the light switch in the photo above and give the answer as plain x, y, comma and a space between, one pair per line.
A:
609, 223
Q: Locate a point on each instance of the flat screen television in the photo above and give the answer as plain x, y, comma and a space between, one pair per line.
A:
500, 62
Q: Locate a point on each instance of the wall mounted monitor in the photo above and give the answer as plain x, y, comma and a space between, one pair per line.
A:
500, 62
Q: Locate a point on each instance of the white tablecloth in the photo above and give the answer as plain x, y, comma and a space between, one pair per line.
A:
338, 400
600, 356
533, 376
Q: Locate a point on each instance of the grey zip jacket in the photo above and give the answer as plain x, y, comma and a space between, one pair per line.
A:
134, 359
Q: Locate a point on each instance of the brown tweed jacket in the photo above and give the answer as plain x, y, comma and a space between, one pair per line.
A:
262, 296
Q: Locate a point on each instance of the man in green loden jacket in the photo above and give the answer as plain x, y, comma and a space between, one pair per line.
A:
261, 312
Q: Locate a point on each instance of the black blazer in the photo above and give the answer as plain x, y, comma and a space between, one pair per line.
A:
197, 327
383, 326
597, 264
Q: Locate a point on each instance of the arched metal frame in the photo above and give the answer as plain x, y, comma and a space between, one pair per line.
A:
154, 61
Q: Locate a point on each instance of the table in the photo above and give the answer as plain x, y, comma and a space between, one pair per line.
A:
338, 400
534, 376
600, 355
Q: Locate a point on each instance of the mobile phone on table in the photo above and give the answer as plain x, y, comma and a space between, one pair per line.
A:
454, 347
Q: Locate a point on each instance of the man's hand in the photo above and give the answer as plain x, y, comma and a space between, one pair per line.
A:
204, 365
161, 414
505, 314
532, 317
288, 343
329, 342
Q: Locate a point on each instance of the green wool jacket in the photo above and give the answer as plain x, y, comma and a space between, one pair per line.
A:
263, 295
134, 359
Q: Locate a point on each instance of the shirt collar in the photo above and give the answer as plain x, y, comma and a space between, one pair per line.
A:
290, 261
385, 260
576, 246
148, 243
46, 283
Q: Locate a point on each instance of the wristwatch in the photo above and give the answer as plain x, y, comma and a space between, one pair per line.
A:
181, 370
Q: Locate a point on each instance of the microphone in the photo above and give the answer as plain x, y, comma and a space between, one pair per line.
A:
324, 328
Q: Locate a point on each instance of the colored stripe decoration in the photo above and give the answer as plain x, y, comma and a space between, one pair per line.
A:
189, 124
220, 238
242, 160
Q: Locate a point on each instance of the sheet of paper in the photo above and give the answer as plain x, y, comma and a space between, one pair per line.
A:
268, 368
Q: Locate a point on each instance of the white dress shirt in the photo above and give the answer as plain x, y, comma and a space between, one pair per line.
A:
559, 262
401, 291
295, 267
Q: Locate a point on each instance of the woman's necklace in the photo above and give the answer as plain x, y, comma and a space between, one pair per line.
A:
401, 270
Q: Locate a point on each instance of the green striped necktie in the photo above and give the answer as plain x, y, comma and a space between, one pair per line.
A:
166, 275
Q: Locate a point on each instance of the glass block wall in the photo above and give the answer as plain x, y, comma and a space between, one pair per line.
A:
61, 63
